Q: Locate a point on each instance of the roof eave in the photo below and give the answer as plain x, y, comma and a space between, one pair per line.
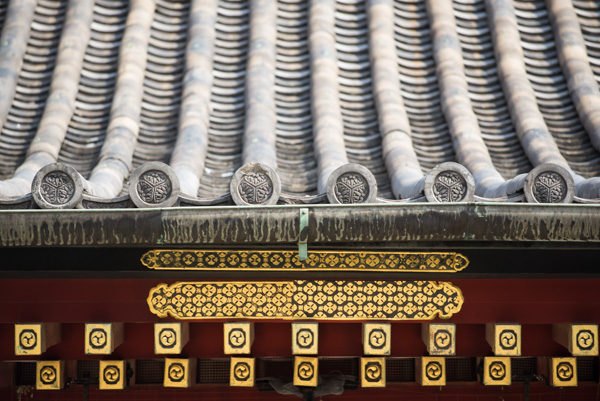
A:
329, 225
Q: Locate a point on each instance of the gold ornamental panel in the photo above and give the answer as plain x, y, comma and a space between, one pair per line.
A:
307, 299
272, 260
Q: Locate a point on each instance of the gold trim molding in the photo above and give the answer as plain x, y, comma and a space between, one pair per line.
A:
276, 260
307, 299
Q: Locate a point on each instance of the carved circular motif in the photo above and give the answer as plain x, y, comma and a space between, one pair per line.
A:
176, 372
549, 187
373, 371
241, 371
508, 339
564, 371
351, 188
57, 188
27, 339
98, 338
433, 370
497, 370
48, 375
305, 371
167, 338
154, 187
237, 338
377, 339
585, 339
255, 188
305, 338
449, 186
442, 339
111, 374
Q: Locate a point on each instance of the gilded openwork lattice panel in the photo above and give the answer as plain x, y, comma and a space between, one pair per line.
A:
376, 338
306, 371
112, 375
50, 375
307, 299
305, 338
275, 260
242, 372
372, 372
179, 373
497, 371
238, 338
563, 372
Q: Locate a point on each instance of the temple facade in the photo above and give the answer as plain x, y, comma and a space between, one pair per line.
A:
279, 199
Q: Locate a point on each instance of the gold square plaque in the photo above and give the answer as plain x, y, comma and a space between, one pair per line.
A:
497, 371
377, 338
440, 338
431, 371
179, 372
372, 372
504, 338
50, 375
563, 372
112, 375
242, 372
170, 338
30, 339
306, 371
580, 339
305, 338
102, 338
238, 338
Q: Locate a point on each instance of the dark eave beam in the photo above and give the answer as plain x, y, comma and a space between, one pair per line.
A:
279, 225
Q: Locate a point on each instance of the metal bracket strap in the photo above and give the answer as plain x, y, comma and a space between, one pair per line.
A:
303, 235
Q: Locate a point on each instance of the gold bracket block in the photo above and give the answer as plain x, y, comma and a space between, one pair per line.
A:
563, 372
103, 338
372, 372
497, 371
35, 338
306, 371
305, 338
242, 372
376, 338
504, 338
170, 338
180, 373
431, 371
113, 375
50, 375
579, 339
439, 338
238, 338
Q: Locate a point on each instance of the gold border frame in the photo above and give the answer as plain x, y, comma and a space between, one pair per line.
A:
288, 260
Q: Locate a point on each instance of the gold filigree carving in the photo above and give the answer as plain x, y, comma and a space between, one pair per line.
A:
270, 260
307, 299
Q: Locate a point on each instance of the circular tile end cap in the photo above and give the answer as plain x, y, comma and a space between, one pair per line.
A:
57, 186
449, 182
351, 184
549, 183
255, 184
154, 184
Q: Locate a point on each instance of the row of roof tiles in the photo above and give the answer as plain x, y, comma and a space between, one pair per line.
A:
157, 103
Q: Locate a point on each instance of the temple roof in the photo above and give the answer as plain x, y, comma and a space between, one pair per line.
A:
206, 102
